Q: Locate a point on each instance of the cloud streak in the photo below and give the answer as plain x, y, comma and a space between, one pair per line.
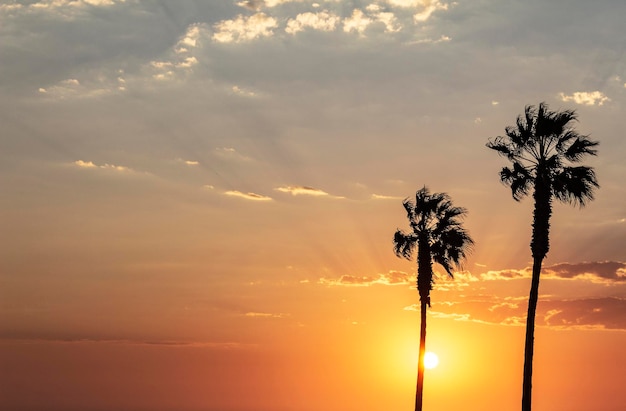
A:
389, 278
302, 190
91, 165
247, 196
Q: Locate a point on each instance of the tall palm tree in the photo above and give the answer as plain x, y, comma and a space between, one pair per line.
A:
541, 147
439, 237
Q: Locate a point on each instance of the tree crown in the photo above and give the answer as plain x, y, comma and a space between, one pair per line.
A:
437, 224
541, 147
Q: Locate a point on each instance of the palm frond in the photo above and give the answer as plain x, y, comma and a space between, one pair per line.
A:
409, 206
503, 148
575, 185
451, 247
518, 178
564, 139
404, 244
552, 124
581, 147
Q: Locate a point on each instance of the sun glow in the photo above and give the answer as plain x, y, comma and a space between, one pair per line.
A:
430, 360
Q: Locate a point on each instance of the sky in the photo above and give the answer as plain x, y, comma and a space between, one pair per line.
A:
198, 200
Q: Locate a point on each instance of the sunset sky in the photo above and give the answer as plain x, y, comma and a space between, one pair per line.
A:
198, 199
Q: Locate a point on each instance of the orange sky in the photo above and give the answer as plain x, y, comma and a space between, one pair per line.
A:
198, 201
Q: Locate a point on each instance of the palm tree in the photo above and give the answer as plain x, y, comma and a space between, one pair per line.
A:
437, 233
541, 146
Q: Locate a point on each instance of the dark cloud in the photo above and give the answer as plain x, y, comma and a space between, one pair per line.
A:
600, 271
599, 313
606, 270
607, 313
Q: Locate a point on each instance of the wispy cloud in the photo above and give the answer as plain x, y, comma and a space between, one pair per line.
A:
91, 165
183, 56
302, 190
230, 153
385, 197
389, 278
588, 98
255, 314
190, 163
430, 6
507, 274
98, 82
243, 92
247, 196
61, 9
73, 88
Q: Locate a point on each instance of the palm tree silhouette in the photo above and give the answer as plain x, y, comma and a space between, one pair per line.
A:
437, 233
540, 146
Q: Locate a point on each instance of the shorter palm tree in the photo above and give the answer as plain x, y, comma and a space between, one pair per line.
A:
437, 233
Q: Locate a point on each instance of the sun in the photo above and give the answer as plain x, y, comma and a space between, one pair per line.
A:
430, 360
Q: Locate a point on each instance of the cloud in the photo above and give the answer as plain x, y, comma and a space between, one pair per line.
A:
230, 153
62, 9
607, 313
358, 22
385, 197
389, 278
272, 22
461, 280
441, 39
302, 190
243, 92
259, 4
430, 6
603, 271
323, 21
247, 196
97, 82
265, 315
73, 88
586, 98
388, 19
507, 274
190, 163
183, 55
597, 272
106, 166
244, 28
602, 313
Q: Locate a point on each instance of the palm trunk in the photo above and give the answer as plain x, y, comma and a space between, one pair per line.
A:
424, 285
420, 362
530, 336
539, 246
